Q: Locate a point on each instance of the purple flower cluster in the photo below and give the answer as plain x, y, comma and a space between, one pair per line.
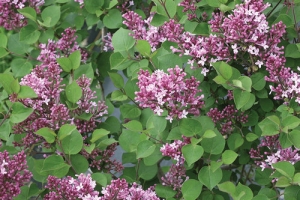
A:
46, 81
269, 151
120, 189
227, 118
62, 48
13, 174
176, 174
87, 105
173, 92
10, 19
71, 189
102, 159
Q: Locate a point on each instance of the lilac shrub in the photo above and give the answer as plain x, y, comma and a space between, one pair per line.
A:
205, 104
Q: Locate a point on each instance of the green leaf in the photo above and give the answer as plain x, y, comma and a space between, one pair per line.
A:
27, 192
72, 144
266, 104
117, 95
28, 12
209, 134
100, 178
56, 166
285, 168
93, 6
223, 69
73, 92
190, 127
65, 63
227, 187
270, 126
3, 52
210, 178
75, 59
246, 83
29, 34
113, 19
145, 149
147, 172
79, 163
19, 112
99, 133
6, 80
122, 41
117, 80
118, 62
143, 47
191, 189
213, 145
156, 125
251, 137
241, 98
283, 182
16, 46
292, 192
87, 70
47, 133
229, 157
89, 148
26, 92
292, 51
296, 178
50, 16
258, 80
20, 67
263, 177
287, 20
234, 141
192, 153
164, 191
291, 122
129, 140
65, 130
243, 192
219, 80
154, 158
130, 111
5, 130
158, 20
3, 40
133, 125
294, 137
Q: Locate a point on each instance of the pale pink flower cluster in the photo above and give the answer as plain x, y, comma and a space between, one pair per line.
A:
177, 172
173, 92
269, 151
83, 187
120, 189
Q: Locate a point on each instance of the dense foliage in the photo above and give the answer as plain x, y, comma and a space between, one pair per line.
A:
207, 91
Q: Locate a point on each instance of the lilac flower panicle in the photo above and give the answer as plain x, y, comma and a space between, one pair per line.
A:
45, 79
120, 189
177, 172
83, 187
269, 152
10, 19
227, 117
14, 174
179, 95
